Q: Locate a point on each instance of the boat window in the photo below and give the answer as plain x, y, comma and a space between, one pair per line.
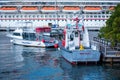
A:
81, 37
76, 34
9, 16
25, 36
16, 34
32, 36
71, 37
29, 36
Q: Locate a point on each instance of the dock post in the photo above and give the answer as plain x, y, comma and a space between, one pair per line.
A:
111, 61
105, 53
96, 62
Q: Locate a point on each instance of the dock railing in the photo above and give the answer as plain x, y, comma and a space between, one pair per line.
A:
106, 49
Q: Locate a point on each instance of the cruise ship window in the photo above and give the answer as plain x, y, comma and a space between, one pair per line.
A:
87, 16
62, 16
45, 16
1, 16
71, 16
5, 16
53, 15
33, 16
37, 16
50, 16
66, 16
95, 16
9, 16
25, 16
58, 16
41, 16
16, 16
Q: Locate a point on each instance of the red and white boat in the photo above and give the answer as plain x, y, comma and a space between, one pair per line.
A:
76, 46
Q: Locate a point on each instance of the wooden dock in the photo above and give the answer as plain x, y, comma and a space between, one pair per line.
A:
109, 54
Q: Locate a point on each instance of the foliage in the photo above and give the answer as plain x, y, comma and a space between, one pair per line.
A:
112, 29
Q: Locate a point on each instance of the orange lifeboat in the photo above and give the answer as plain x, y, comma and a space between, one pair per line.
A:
29, 9
92, 9
8, 9
49, 9
71, 9
111, 8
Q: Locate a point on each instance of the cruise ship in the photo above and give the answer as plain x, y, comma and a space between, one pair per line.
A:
93, 13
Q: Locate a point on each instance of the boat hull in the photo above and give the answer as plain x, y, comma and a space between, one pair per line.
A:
33, 43
86, 55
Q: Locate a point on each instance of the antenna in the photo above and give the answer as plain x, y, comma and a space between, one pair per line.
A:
56, 12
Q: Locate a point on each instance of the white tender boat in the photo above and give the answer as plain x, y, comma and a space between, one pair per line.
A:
76, 47
27, 36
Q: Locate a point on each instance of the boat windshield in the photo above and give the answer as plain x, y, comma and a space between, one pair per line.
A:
76, 34
81, 36
44, 37
29, 36
16, 34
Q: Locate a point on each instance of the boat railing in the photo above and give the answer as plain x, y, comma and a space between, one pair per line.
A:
95, 45
102, 41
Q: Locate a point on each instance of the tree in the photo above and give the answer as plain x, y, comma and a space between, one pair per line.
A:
112, 29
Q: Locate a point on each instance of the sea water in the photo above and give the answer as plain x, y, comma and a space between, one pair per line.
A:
34, 63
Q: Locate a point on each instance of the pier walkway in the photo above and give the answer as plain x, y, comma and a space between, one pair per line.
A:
109, 53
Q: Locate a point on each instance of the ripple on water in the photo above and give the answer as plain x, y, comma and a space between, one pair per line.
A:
32, 63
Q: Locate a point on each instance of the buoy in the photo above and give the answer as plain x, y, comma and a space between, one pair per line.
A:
55, 45
43, 40
81, 47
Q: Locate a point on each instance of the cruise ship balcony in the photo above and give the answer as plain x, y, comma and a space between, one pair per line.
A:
29, 9
92, 9
8, 9
50, 9
73, 9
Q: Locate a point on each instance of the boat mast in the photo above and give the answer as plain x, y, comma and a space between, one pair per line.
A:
56, 13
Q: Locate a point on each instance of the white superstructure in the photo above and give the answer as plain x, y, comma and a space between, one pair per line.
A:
51, 12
